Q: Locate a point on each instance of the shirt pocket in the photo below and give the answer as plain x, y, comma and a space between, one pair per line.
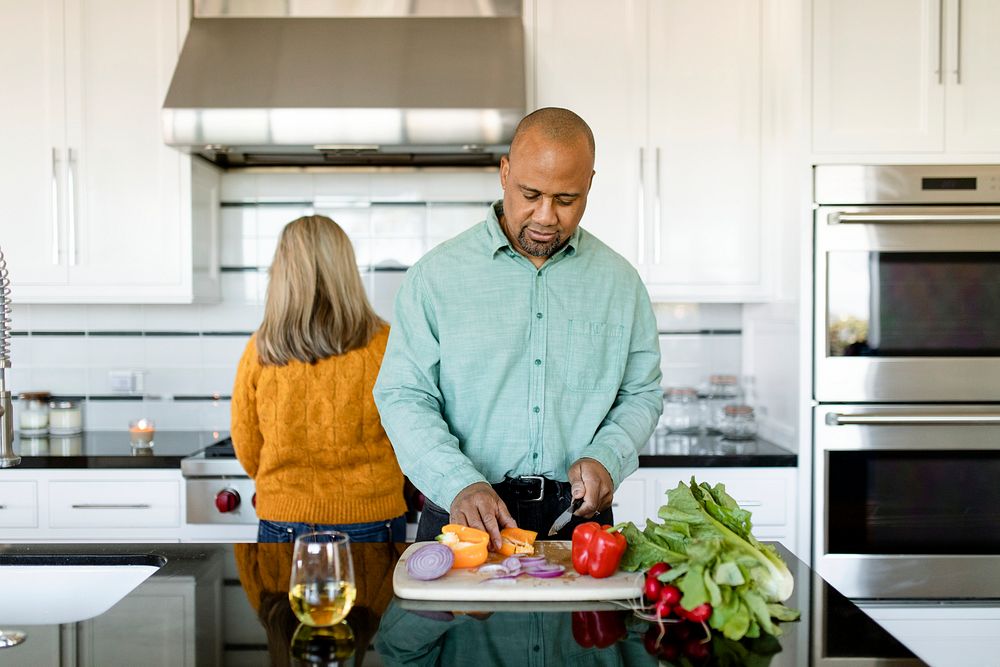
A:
595, 360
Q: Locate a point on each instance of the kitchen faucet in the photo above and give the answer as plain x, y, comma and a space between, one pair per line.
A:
7, 457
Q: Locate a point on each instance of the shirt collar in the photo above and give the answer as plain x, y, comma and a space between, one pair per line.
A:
498, 240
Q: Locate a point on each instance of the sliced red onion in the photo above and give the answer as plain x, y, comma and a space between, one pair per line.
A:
430, 561
529, 560
493, 570
503, 579
512, 564
547, 572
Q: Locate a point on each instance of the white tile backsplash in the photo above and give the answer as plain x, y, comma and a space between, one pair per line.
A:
696, 339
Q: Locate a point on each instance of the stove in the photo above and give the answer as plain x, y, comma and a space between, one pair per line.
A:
218, 490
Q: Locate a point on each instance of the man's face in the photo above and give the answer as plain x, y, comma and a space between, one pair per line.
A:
545, 185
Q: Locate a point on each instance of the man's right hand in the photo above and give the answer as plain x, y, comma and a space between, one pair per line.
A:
479, 506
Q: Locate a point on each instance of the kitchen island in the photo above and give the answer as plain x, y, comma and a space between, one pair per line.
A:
237, 612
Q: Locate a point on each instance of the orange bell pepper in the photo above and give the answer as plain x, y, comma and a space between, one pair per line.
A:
517, 541
469, 545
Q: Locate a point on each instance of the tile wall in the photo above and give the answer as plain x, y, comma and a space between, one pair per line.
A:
181, 359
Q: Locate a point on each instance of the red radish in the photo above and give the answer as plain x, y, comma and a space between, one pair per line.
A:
701, 613
670, 594
663, 609
652, 589
657, 569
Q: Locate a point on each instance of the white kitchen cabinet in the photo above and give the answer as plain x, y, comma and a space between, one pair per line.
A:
94, 208
906, 76
673, 90
768, 493
19, 505
948, 633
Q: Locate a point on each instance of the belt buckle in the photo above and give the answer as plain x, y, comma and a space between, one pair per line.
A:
541, 488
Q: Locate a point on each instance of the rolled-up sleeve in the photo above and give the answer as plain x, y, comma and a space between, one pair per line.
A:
410, 402
633, 416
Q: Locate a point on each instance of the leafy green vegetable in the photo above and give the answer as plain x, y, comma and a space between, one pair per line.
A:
706, 538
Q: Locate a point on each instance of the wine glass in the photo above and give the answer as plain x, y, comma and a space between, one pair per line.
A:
321, 590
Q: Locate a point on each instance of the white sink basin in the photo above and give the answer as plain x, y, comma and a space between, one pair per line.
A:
50, 589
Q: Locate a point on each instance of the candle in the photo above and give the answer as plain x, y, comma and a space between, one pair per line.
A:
65, 417
141, 432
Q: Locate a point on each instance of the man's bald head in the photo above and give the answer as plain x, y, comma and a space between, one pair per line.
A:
554, 124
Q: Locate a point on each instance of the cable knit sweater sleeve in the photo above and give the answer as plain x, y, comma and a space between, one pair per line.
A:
245, 425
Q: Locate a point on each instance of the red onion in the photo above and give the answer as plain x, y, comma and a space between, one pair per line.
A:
430, 561
547, 571
512, 564
493, 570
531, 560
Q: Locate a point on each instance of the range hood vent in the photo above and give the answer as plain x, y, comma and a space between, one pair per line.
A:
411, 90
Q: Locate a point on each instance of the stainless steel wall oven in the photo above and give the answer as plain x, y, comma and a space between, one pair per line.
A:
907, 380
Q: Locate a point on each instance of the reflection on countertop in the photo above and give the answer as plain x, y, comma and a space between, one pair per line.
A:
700, 450
250, 592
110, 449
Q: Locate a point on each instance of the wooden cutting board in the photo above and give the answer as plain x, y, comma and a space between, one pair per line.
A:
468, 584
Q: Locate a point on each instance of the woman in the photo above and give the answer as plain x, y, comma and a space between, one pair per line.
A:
304, 424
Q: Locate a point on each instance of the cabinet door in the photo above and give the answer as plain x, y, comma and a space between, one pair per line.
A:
878, 76
704, 135
590, 58
128, 232
973, 95
31, 76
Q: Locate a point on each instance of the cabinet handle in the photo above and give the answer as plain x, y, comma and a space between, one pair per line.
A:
71, 193
940, 65
943, 419
3, 507
641, 210
71, 186
55, 205
749, 503
656, 213
111, 506
958, 42
907, 218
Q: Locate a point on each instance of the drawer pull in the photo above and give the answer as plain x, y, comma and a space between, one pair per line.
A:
749, 503
111, 506
3, 507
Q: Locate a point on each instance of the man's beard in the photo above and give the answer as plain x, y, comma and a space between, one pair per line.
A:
536, 249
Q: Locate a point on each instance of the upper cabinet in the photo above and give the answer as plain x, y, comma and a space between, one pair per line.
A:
906, 76
673, 92
94, 207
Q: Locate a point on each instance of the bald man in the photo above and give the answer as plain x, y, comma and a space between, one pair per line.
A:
523, 368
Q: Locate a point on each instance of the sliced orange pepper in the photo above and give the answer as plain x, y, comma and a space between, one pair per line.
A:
471, 546
517, 541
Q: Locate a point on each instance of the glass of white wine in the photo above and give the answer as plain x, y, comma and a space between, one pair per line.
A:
321, 590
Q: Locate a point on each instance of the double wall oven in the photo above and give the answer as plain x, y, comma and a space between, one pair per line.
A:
907, 380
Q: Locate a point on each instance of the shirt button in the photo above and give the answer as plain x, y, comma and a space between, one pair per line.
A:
535, 455
538, 315
536, 409
538, 362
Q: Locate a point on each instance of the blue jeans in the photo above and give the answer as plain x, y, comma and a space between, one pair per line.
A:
390, 530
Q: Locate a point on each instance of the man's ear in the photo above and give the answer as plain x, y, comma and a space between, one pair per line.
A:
504, 171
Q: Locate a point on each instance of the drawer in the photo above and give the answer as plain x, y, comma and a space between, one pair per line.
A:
18, 505
114, 504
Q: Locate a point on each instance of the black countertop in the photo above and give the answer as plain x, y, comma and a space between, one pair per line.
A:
257, 625
111, 449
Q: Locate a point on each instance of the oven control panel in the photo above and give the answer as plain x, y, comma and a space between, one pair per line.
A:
221, 500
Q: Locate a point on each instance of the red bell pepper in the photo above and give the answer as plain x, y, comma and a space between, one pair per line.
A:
597, 550
598, 629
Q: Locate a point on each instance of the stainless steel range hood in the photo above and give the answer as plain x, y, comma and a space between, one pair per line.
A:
348, 90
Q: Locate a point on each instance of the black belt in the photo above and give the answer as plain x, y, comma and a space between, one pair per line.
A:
530, 488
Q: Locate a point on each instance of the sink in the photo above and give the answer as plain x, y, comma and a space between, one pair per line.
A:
37, 589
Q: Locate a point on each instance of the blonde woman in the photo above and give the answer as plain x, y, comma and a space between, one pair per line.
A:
304, 424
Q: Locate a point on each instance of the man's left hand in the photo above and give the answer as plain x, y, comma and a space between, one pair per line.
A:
591, 481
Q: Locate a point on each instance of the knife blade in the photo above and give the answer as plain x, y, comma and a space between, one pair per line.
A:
565, 517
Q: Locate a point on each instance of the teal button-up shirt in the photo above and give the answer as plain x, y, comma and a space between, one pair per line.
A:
495, 368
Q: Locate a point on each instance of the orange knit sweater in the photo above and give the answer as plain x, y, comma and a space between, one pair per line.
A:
310, 437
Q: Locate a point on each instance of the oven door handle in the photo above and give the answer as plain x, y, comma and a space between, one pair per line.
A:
840, 419
839, 218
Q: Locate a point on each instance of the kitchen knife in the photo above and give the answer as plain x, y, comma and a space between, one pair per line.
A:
564, 518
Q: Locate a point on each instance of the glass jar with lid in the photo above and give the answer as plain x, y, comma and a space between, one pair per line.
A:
722, 390
33, 409
738, 422
65, 417
681, 413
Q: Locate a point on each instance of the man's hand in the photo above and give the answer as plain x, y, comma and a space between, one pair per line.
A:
591, 481
479, 506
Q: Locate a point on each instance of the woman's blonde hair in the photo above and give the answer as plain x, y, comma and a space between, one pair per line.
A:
316, 305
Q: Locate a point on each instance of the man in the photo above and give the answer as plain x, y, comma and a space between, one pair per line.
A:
523, 368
